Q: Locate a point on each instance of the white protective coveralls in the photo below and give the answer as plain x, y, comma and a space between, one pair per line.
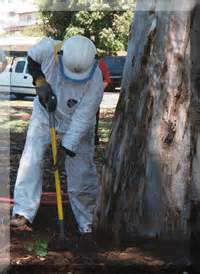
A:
75, 124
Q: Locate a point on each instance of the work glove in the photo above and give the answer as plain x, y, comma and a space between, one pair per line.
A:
61, 155
43, 92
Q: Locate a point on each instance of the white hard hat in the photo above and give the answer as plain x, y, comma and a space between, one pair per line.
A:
78, 57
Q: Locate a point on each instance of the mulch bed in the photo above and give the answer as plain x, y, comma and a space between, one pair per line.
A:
141, 256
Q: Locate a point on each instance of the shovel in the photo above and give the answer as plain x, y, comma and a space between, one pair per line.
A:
61, 243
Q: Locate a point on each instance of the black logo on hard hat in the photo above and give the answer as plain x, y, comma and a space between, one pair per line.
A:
71, 103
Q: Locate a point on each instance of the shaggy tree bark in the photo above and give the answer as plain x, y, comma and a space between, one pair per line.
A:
153, 155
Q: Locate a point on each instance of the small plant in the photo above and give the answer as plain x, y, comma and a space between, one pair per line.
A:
39, 248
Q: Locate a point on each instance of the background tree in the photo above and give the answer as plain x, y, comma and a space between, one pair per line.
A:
55, 22
109, 29
151, 170
105, 27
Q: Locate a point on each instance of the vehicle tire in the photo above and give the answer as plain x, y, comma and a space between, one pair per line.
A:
19, 96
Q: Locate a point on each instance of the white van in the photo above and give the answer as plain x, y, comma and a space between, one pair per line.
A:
16, 80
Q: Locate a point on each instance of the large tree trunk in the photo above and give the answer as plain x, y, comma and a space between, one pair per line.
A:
153, 153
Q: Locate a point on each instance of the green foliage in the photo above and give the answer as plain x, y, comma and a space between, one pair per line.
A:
109, 42
121, 26
91, 21
109, 29
40, 248
71, 30
55, 23
94, 5
115, 38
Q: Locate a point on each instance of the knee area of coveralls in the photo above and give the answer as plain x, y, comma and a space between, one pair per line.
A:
81, 165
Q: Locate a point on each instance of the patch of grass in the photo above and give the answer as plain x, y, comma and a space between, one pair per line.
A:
39, 248
105, 124
104, 130
15, 126
14, 115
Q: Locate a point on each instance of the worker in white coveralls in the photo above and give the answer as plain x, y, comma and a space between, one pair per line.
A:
70, 71
3, 61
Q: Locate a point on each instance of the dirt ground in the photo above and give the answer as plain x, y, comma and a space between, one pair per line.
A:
29, 252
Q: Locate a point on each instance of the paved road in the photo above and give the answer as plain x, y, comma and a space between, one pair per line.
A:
110, 99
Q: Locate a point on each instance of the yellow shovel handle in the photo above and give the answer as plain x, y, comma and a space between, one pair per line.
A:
56, 175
